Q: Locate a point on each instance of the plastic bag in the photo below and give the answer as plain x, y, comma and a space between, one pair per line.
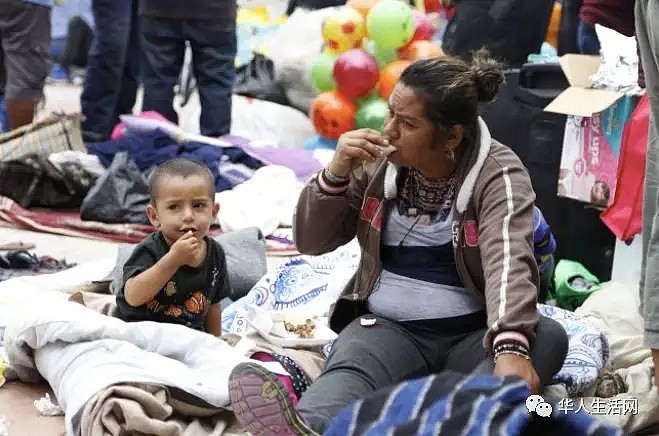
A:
33, 181
293, 49
120, 196
261, 121
257, 80
625, 214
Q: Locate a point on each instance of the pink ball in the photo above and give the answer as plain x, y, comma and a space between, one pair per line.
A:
356, 73
424, 30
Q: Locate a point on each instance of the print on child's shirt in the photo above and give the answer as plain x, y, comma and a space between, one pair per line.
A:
165, 302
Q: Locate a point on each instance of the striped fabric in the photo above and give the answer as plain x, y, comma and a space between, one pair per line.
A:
51, 135
454, 404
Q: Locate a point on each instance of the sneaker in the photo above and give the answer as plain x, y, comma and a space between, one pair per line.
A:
262, 404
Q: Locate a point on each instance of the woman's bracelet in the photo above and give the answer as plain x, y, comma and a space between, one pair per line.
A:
501, 353
510, 347
333, 178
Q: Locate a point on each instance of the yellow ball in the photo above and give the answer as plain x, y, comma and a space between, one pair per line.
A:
343, 30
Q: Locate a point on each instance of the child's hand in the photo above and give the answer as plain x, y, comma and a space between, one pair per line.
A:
186, 250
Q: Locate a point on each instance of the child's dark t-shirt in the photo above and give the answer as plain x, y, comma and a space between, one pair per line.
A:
187, 296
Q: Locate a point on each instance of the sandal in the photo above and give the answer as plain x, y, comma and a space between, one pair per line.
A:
18, 245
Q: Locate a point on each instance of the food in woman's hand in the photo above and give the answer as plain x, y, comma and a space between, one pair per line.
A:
387, 149
303, 331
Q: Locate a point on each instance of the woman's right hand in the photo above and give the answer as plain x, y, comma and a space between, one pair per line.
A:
353, 148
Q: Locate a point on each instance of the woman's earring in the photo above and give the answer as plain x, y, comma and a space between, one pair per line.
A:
450, 154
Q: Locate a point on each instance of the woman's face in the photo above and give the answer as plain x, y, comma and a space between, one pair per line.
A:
414, 136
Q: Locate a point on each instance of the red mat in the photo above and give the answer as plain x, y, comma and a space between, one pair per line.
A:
68, 223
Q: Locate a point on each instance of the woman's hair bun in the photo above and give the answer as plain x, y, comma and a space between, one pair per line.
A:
487, 75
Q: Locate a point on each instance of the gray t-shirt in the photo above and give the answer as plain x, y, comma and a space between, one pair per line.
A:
419, 279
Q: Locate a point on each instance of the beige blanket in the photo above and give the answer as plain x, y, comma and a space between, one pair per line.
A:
150, 410
614, 310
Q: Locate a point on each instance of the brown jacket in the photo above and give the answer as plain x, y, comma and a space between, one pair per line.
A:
492, 233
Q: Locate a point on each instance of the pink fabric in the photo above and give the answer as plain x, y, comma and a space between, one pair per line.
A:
68, 223
285, 380
119, 129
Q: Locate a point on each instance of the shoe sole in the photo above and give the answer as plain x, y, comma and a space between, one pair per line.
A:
262, 404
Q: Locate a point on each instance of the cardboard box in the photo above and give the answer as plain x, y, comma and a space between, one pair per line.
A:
593, 132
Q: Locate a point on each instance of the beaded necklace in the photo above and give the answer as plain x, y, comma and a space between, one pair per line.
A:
420, 195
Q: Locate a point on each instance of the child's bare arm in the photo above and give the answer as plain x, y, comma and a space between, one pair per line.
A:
213, 321
143, 287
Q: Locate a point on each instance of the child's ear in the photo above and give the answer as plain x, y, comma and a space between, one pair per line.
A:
216, 209
152, 214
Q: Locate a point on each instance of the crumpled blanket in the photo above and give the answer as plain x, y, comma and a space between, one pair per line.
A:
314, 282
151, 410
450, 404
588, 351
81, 352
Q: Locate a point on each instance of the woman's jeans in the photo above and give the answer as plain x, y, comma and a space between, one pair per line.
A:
364, 359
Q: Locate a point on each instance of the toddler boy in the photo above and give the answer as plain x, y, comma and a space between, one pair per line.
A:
177, 274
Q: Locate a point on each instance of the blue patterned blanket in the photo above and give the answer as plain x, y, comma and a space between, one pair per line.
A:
588, 350
314, 282
454, 404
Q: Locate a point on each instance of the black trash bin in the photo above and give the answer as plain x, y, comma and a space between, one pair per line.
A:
517, 119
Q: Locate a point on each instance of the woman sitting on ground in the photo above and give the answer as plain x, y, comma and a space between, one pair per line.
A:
448, 278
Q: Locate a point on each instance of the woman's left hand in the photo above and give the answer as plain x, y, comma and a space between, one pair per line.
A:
512, 364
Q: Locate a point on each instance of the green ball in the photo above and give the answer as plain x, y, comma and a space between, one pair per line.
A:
372, 114
390, 23
382, 55
322, 78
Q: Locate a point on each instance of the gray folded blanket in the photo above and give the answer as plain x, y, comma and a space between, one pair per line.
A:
244, 250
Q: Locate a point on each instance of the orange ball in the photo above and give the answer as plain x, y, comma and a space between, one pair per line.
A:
332, 114
362, 6
389, 76
420, 50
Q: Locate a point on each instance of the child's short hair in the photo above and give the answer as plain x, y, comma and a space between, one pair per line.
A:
183, 168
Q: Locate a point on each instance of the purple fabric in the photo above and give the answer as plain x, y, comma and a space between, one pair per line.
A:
302, 162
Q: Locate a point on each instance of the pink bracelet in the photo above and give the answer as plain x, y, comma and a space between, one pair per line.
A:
510, 336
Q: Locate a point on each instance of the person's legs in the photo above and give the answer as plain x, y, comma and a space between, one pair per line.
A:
163, 49
567, 38
78, 38
26, 47
105, 67
647, 35
587, 39
547, 352
131, 74
362, 360
213, 59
